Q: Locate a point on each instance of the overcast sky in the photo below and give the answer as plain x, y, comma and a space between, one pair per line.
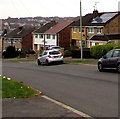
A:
47, 8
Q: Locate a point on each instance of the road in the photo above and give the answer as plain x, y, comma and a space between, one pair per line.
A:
82, 87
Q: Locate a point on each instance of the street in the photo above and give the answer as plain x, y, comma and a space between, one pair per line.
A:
82, 87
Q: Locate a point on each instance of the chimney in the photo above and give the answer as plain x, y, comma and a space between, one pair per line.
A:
95, 14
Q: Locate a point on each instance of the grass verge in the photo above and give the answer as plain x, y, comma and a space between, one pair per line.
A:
18, 60
13, 89
77, 61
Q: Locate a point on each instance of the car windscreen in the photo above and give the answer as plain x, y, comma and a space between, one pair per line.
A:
54, 52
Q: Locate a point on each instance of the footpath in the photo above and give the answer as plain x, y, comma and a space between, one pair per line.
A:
34, 107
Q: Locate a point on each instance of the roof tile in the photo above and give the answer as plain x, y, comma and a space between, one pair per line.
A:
58, 27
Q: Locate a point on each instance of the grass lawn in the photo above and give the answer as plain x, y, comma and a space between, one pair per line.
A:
13, 89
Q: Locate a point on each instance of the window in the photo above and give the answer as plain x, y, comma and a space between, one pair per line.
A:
14, 41
54, 53
36, 36
99, 30
90, 30
48, 36
116, 53
53, 36
74, 30
82, 29
7, 41
109, 54
44, 53
41, 36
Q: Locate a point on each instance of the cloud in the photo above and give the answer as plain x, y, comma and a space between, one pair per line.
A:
32, 8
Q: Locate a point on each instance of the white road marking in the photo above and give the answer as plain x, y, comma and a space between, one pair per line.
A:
81, 114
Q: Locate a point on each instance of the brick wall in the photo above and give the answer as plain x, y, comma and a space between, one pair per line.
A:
27, 42
113, 27
64, 37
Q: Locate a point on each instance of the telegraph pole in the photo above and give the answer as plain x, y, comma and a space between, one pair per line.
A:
81, 30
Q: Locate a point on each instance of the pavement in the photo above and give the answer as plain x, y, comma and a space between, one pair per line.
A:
34, 107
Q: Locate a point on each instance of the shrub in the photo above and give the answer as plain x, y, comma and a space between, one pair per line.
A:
30, 51
99, 50
96, 51
67, 53
10, 52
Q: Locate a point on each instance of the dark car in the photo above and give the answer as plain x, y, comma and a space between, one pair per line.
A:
110, 60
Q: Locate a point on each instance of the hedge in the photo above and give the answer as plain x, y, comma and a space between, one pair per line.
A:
77, 53
99, 50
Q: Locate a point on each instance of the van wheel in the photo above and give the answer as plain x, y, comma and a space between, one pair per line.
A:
118, 68
38, 61
100, 67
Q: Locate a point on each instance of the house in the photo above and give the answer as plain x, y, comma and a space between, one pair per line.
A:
52, 33
58, 35
103, 39
95, 24
39, 37
21, 38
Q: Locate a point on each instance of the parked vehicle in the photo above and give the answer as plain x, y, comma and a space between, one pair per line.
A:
54, 48
50, 56
110, 60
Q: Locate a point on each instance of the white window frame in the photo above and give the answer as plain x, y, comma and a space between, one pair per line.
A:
53, 36
74, 29
48, 36
82, 30
91, 30
99, 30
41, 36
36, 35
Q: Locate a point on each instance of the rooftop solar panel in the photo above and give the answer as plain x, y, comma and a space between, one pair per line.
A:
104, 18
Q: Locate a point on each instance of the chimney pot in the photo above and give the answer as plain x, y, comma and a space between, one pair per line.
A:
95, 14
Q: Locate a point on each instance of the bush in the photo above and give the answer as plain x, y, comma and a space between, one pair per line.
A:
30, 51
10, 52
77, 53
67, 53
99, 50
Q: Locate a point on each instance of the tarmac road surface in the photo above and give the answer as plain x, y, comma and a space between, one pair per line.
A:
82, 87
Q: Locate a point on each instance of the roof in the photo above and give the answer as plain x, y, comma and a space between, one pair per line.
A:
104, 18
100, 38
45, 27
100, 20
20, 32
58, 27
106, 37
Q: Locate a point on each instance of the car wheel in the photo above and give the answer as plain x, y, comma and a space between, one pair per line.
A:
46, 62
100, 67
118, 68
38, 61
61, 62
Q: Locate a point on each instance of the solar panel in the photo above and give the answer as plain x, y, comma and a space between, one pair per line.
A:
98, 20
104, 18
